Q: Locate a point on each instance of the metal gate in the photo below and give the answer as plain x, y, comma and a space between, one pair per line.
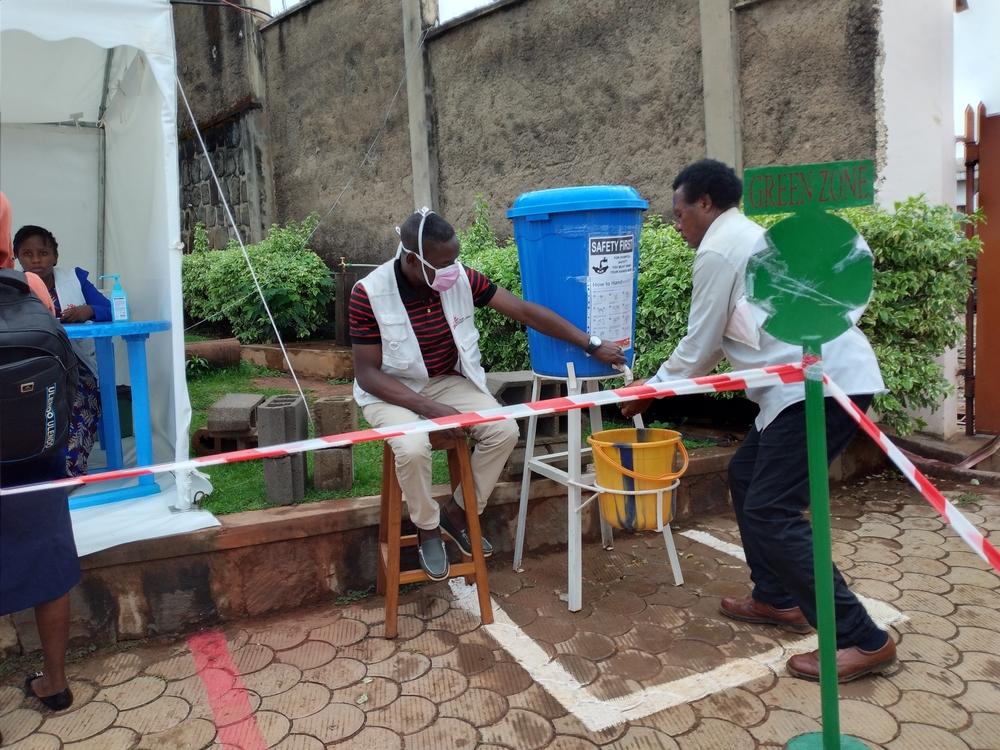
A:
986, 382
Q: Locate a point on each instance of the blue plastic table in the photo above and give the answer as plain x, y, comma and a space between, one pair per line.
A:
134, 334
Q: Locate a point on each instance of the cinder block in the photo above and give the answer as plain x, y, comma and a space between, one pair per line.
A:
285, 479
510, 387
333, 469
282, 419
515, 388
335, 414
234, 412
551, 425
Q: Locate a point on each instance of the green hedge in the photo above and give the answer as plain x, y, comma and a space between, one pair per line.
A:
921, 284
218, 287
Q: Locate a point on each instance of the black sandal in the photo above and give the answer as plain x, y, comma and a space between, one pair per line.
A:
57, 702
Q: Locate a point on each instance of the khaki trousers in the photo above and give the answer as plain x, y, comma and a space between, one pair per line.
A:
494, 444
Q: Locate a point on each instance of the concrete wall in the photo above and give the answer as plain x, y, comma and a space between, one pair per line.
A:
214, 53
916, 100
916, 130
530, 95
807, 76
547, 94
331, 68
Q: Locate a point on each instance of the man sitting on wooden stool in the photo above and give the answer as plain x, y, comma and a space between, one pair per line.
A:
416, 354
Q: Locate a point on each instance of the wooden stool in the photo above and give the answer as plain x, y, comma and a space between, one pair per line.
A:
391, 539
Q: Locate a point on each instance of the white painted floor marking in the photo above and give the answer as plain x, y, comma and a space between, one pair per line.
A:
703, 537
883, 614
598, 714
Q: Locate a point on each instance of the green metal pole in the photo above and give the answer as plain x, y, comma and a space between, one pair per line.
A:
819, 491
826, 617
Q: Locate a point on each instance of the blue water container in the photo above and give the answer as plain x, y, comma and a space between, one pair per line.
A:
579, 254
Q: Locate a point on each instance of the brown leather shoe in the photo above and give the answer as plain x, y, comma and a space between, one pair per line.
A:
852, 662
749, 609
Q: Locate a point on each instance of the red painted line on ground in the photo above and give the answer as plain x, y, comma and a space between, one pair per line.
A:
225, 690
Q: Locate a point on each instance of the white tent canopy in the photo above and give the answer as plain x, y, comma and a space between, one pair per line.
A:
88, 149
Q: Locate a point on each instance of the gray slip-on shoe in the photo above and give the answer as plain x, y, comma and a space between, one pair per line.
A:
434, 558
461, 538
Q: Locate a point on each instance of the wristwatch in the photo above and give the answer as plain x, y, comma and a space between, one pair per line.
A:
593, 345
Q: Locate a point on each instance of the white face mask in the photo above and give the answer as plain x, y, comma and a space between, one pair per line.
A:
444, 278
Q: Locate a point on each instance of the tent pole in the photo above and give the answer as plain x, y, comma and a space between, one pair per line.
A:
102, 164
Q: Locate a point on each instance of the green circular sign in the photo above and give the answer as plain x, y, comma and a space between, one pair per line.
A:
813, 273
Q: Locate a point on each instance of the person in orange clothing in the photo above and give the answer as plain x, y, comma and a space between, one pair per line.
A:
38, 287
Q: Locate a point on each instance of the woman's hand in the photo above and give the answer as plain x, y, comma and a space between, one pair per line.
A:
77, 314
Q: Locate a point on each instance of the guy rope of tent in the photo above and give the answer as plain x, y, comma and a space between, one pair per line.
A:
243, 248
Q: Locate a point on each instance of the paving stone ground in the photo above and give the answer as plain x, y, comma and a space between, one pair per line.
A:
325, 677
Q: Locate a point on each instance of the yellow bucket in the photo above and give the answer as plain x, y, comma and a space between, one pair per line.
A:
636, 460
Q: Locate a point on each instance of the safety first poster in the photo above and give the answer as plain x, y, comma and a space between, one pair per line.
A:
609, 288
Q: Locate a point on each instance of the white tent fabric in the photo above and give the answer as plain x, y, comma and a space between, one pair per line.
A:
54, 60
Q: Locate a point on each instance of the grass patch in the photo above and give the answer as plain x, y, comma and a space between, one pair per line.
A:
967, 498
194, 338
240, 487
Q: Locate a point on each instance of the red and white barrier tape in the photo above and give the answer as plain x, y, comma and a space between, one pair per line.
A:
733, 381
952, 515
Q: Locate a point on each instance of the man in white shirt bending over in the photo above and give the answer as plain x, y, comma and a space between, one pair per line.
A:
768, 476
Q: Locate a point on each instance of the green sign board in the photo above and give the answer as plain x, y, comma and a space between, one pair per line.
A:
782, 190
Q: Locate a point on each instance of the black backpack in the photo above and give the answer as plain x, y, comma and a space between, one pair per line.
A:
38, 372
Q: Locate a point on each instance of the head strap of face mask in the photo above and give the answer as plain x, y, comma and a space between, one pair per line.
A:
424, 213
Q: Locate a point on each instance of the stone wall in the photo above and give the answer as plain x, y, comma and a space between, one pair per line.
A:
219, 67
808, 80
332, 67
548, 94
237, 161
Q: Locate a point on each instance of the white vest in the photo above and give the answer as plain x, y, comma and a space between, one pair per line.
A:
70, 293
401, 357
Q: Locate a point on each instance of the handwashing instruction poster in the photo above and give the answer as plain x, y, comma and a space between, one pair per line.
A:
609, 288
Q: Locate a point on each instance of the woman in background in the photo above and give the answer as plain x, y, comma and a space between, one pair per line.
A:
38, 287
76, 300
39, 564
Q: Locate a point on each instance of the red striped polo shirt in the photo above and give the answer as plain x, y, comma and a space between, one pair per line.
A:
437, 345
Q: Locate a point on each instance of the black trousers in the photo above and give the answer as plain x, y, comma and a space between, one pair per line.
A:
769, 481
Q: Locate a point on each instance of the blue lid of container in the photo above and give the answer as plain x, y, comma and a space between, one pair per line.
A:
583, 198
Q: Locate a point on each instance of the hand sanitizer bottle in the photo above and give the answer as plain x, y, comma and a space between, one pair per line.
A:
119, 300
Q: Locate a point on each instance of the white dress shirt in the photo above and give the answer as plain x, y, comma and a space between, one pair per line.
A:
722, 323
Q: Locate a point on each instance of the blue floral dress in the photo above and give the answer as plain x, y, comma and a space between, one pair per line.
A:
85, 415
